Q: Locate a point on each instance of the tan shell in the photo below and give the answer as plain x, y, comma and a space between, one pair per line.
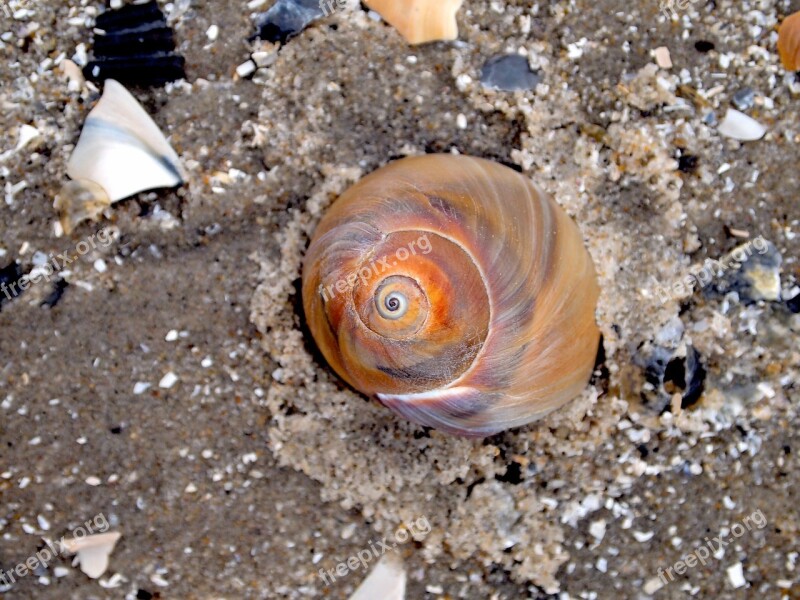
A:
455, 292
789, 42
420, 21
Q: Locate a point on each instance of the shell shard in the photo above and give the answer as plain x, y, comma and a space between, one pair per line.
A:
122, 150
455, 292
93, 552
739, 126
789, 42
387, 581
420, 21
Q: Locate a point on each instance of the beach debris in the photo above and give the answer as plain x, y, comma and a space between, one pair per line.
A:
10, 276
744, 99
739, 126
789, 42
387, 581
287, 18
121, 152
134, 45
663, 59
759, 276
92, 552
78, 201
420, 21
509, 73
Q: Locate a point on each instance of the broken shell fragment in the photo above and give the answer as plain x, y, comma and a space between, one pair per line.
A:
387, 581
78, 201
121, 152
93, 551
420, 21
122, 149
740, 127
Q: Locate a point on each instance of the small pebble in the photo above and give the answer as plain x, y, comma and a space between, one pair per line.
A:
509, 73
168, 381
744, 99
736, 575
246, 69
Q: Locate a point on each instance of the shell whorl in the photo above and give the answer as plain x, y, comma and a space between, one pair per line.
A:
455, 292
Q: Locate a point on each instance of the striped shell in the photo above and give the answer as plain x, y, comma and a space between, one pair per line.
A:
789, 42
455, 292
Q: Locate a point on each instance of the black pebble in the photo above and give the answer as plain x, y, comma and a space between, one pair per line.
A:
704, 46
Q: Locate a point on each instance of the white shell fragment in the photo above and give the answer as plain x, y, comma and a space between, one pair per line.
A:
387, 581
739, 126
93, 552
122, 150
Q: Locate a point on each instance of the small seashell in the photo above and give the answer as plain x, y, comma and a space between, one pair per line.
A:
739, 126
420, 21
78, 201
122, 150
789, 42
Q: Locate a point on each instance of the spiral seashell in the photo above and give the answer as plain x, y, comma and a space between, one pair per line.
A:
454, 291
789, 42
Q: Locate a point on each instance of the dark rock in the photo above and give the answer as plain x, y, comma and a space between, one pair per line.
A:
287, 18
509, 73
687, 163
9, 282
54, 297
704, 46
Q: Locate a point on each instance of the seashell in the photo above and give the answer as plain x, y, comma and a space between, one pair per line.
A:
420, 21
122, 151
739, 126
455, 292
789, 42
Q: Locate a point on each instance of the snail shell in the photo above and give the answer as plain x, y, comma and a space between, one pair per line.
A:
454, 291
789, 42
